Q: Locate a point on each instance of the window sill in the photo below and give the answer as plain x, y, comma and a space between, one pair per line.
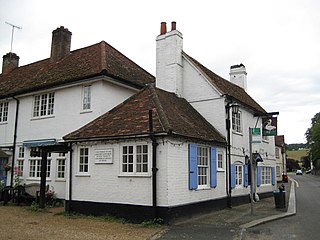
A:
42, 117
3, 123
237, 133
83, 175
37, 179
147, 175
60, 180
85, 111
220, 170
203, 188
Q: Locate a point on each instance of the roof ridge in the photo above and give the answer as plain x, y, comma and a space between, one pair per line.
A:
162, 116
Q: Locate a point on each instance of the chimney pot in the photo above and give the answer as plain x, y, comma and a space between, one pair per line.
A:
173, 26
10, 62
163, 29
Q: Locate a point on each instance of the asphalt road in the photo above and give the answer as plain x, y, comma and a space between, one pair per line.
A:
304, 225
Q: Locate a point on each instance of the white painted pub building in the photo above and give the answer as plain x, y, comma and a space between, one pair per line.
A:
167, 145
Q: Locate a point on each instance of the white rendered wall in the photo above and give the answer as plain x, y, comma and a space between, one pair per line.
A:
67, 117
104, 182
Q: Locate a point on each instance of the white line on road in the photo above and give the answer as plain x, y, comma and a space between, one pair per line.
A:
296, 182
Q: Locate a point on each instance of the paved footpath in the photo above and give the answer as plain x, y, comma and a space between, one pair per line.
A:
229, 223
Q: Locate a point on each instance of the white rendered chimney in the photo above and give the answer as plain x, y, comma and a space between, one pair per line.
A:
238, 75
169, 59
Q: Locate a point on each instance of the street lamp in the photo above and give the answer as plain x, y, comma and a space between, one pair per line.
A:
235, 109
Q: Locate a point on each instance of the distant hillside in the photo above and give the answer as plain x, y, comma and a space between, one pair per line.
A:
297, 154
296, 146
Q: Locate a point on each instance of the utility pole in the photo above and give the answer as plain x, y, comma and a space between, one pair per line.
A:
13, 27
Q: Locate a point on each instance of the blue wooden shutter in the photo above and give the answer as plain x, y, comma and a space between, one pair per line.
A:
259, 176
193, 166
213, 168
233, 176
273, 175
246, 176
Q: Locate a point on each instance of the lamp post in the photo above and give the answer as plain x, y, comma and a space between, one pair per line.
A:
235, 109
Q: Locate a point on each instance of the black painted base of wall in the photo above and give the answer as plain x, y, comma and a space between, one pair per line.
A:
138, 213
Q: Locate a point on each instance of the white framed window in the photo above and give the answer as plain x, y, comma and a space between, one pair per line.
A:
86, 97
135, 159
84, 160
20, 161
266, 175
43, 105
236, 122
278, 171
239, 175
35, 167
277, 152
220, 160
61, 166
203, 165
4, 107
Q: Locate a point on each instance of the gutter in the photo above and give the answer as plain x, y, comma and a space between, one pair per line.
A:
14, 138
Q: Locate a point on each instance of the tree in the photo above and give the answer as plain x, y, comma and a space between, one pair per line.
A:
313, 139
292, 164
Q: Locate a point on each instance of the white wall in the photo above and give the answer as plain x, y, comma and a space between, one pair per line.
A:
104, 183
67, 117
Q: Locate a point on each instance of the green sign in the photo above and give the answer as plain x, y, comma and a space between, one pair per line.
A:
256, 135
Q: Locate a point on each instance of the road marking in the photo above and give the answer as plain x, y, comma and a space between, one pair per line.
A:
296, 182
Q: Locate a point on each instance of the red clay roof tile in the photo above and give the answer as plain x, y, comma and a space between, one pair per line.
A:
94, 60
171, 115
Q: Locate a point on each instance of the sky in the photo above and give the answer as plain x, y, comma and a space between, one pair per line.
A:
277, 40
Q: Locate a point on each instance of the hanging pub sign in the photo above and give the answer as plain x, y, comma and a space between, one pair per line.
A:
269, 126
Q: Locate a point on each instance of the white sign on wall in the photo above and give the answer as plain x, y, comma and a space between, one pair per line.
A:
103, 155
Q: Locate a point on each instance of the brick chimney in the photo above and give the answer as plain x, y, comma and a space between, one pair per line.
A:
10, 62
169, 59
61, 42
238, 75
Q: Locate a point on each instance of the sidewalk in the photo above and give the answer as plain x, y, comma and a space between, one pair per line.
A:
230, 223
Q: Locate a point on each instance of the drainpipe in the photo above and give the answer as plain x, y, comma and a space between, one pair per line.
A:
154, 167
14, 139
228, 126
70, 180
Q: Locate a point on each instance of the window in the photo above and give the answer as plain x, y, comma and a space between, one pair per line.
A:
4, 111
203, 166
43, 105
220, 160
61, 165
265, 175
239, 175
142, 158
277, 152
21, 152
20, 167
84, 160
35, 167
236, 122
135, 159
86, 98
20, 161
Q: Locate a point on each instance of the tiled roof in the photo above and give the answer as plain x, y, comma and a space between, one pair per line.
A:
226, 87
95, 60
171, 116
